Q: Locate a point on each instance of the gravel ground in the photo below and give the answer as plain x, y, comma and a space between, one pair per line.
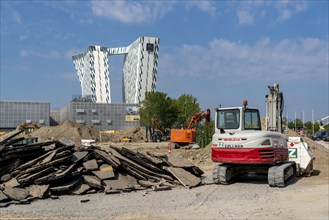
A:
249, 198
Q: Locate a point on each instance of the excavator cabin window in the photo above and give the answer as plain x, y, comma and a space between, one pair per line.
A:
251, 119
228, 119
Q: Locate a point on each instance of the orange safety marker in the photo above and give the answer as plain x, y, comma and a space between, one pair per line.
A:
169, 148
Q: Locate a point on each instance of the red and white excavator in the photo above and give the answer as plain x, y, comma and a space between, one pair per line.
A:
241, 147
186, 137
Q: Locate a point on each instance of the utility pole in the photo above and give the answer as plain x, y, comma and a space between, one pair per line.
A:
312, 121
295, 122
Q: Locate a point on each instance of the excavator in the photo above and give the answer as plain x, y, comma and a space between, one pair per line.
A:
159, 133
187, 137
241, 147
28, 127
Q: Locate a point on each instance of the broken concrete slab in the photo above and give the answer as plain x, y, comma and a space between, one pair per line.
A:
67, 186
178, 161
185, 178
104, 175
16, 193
33, 162
78, 156
107, 158
12, 183
90, 165
5, 178
105, 172
34, 176
81, 189
49, 157
65, 142
138, 168
38, 191
3, 196
92, 181
120, 182
4, 138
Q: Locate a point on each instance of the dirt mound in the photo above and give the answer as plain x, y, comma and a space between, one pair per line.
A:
70, 130
136, 134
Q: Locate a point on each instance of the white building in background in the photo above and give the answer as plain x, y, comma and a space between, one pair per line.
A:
139, 70
93, 72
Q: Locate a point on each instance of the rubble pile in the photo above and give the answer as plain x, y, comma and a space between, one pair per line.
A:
37, 170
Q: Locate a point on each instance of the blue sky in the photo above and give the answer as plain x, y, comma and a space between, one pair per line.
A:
221, 52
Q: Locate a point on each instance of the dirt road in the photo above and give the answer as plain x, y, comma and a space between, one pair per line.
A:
250, 198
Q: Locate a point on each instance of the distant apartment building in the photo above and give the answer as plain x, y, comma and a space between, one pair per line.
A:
139, 70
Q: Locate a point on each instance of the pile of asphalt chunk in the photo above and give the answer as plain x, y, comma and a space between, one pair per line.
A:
32, 170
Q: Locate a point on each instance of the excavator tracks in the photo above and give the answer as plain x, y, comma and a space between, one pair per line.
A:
281, 175
224, 174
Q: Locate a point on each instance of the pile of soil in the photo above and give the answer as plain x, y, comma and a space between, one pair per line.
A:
69, 130
135, 134
76, 131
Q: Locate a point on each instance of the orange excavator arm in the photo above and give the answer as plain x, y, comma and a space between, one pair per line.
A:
199, 117
188, 135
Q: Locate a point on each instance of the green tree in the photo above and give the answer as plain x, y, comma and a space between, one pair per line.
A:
204, 133
309, 127
187, 106
158, 105
298, 123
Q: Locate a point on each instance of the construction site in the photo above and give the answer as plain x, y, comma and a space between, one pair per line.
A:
74, 171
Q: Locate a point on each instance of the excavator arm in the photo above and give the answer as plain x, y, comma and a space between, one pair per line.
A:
199, 117
181, 137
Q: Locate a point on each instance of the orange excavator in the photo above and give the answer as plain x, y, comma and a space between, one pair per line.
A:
187, 137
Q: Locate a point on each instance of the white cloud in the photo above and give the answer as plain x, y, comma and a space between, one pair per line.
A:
245, 17
287, 9
133, 12
51, 54
287, 60
204, 6
17, 17
130, 12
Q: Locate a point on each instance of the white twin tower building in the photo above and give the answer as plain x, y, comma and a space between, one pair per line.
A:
139, 70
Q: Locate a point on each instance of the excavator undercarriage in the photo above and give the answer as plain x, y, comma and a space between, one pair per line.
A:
278, 175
